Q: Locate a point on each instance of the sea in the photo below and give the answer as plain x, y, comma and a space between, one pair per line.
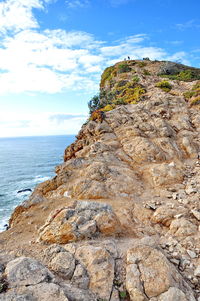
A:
24, 163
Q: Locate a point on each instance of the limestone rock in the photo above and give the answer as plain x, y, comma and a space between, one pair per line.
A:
165, 174
77, 294
26, 271
196, 214
38, 292
82, 220
149, 274
164, 215
182, 227
80, 277
197, 271
64, 264
100, 267
173, 294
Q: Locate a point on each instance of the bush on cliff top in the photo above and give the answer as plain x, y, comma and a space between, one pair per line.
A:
107, 75
164, 85
187, 75
123, 68
193, 96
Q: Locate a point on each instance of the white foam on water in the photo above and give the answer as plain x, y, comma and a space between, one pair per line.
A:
40, 179
3, 222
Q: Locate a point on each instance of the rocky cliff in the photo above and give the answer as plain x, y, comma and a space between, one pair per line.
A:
121, 218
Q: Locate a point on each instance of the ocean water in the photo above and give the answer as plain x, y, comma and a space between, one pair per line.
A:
24, 163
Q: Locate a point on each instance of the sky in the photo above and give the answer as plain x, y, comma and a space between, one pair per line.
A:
52, 54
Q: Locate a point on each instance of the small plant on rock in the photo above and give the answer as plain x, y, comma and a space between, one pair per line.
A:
164, 85
195, 101
120, 101
97, 115
142, 64
108, 108
123, 294
193, 96
107, 75
123, 68
135, 79
146, 72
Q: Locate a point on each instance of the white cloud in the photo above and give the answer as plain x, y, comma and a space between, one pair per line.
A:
188, 25
40, 124
77, 3
131, 47
180, 56
17, 14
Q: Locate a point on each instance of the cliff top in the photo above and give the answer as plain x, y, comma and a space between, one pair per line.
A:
129, 82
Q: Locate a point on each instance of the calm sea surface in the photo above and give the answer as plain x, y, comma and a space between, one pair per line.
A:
24, 163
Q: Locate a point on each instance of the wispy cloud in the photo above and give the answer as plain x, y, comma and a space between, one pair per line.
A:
119, 2
60, 118
77, 3
188, 25
133, 47
180, 57
40, 124
175, 43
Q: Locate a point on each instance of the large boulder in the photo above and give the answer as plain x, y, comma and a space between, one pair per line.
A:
149, 274
24, 271
38, 292
80, 221
100, 266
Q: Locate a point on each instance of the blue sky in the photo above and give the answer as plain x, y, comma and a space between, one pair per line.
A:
52, 53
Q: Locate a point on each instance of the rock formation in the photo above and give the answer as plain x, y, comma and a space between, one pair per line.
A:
121, 218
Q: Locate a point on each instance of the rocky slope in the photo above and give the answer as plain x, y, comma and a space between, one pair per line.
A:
121, 219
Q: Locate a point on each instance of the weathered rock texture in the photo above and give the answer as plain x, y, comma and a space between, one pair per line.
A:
81, 220
124, 210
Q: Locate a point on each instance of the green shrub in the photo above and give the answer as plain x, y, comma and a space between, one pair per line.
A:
188, 94
146, 72
195, 101
107, 75
120, 101
193, 93
94, 103
133, 95
123, 68
142, 64
164, 85
135, 79
121, 83
187, 75
196, 86
123, 294
108, 108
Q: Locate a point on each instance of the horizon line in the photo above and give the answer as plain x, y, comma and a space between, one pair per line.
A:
6, 137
